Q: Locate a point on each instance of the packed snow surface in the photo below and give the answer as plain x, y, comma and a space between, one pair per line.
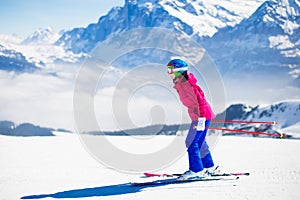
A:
60, 168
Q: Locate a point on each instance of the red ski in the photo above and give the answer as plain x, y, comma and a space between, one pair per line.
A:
176, 181
213, 175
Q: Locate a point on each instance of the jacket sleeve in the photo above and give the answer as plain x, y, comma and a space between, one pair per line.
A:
189, 99
201, 100
193, 107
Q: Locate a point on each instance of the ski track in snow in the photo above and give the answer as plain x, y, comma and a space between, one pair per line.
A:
60, 168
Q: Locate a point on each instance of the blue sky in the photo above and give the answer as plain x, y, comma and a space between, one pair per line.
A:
24, 17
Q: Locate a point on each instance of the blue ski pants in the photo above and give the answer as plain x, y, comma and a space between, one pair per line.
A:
198, 150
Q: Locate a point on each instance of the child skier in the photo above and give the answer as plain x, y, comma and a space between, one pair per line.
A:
191, 95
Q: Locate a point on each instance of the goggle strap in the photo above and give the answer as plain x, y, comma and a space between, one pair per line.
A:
180, 69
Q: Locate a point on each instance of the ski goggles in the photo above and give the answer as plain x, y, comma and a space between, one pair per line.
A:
172, 70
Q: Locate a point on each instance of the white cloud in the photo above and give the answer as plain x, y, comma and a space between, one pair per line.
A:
48, 101
122, 99
41, 99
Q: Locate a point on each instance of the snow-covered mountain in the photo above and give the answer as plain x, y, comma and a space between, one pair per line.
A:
11, 60
196, 18
256, 36
42, 36
251, 39
266, 41
38, 49
286, 114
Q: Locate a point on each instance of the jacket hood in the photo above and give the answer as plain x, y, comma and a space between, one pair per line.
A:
192, 79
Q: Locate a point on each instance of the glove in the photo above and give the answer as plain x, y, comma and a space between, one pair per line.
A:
201, 124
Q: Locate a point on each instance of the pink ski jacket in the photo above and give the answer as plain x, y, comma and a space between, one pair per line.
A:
192, 96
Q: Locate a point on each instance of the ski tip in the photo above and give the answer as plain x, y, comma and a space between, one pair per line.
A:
147, 174
150, 174
242, 174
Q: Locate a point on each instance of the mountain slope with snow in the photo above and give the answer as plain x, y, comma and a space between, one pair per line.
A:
11, 60
195, 18
254, 36
38, 49
266, 41
285, 114
42, 36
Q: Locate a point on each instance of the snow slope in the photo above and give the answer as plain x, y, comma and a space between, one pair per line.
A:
286, 114
195, 18
42, 36
266, 41
38, 49
60, 168
12, 60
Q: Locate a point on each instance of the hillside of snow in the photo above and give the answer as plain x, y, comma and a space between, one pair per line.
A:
285, 114
260, 35
255, 35
42, 36
38, 50
194, 18
266, 41
60, 168
12, 60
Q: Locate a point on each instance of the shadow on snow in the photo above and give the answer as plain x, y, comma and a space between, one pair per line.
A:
110, 190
